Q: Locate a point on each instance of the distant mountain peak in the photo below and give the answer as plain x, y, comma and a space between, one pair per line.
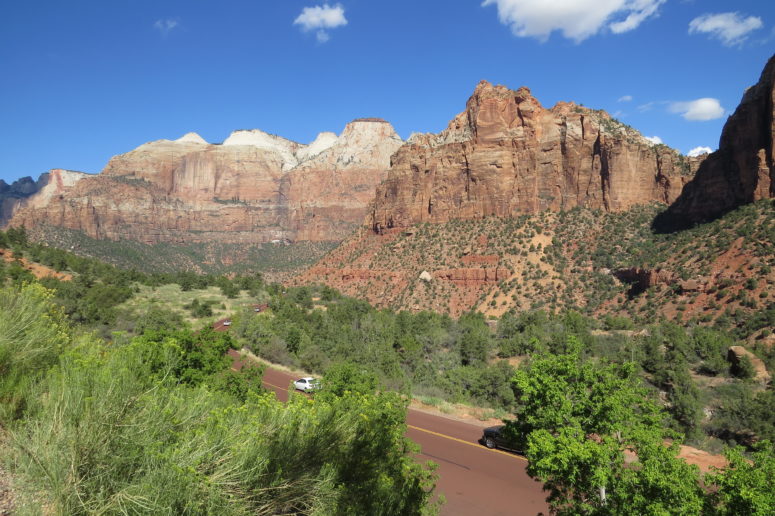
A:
191, 138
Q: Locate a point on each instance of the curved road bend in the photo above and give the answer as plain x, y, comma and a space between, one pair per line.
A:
473, 479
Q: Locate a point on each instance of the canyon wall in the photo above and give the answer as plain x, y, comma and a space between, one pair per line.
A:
252, 188
507, 155
742, 170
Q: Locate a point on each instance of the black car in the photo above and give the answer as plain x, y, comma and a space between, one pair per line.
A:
495, 437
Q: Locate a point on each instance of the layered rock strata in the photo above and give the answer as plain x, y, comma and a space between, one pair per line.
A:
507, 155
742, 170
15, 196
253, 188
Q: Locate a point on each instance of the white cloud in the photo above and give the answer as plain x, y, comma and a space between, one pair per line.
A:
655, 140
165, 26
576, 19
698, 151
698, 110
625, 98
639, 11
731, 28
320, 18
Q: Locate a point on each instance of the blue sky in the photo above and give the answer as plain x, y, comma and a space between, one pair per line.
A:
82, 81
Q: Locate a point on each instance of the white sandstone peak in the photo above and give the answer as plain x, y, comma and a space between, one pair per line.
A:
260, 139
59, 180
363, 141
323, 141
191, 138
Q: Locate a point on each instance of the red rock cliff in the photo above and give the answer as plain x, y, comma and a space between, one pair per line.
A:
253, 188
742, 170
506, 155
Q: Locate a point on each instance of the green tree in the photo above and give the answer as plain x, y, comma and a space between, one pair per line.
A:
743, 368
475, 338
744, 486
578, 419
347, 377
156, 318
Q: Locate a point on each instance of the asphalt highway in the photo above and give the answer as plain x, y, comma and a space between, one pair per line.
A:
473, 479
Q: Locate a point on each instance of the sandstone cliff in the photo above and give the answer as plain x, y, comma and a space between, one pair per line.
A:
15, 196
742, 170
253, 188
507, 155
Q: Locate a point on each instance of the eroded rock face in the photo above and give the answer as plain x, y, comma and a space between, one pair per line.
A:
507, 155
15, 196
253, 188
742, 170
339, 183
644, 279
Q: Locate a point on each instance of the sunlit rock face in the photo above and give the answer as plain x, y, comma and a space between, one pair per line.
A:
507, 155
253, 188
22, 192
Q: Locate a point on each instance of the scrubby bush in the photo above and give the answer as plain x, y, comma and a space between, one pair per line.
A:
33, 332
159, 426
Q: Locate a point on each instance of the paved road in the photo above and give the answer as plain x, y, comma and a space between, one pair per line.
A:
474, 480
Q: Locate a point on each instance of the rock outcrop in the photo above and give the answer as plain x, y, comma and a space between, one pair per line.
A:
644, 279
15, 196
760, 374
253, 188
506, 155
742, 170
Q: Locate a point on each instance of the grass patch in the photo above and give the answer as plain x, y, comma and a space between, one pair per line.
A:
173, 298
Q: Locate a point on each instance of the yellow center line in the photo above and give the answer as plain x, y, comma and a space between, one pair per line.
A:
276, 386
466, 442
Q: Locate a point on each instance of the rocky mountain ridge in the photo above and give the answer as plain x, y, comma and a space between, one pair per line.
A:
742, 170
507, 155
253, 188
15, 196
509, 172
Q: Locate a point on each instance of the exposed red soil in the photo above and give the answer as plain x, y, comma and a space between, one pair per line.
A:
37, 270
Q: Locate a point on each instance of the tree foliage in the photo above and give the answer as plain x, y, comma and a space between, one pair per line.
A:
580, 422
744, 486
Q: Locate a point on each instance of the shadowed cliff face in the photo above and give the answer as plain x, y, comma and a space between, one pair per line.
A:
506, 155
253, 188
20, 193
742, 170
14, 195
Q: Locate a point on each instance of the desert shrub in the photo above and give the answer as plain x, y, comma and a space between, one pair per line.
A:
743, 368
124, 430
156, 318
614, 322
347, 377
742, 415
33, 332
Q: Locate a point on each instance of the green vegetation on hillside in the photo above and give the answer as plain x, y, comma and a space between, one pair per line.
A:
159, 425
626, 368
466, 360
721, 272
207, 258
